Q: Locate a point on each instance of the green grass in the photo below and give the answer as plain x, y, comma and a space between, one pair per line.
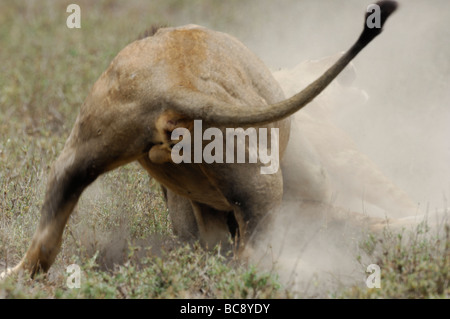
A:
184, 272
120, 233
414, 264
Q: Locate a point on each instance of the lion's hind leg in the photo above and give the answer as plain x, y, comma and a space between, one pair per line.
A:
80, 163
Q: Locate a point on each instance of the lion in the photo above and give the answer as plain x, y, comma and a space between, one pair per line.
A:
164, 82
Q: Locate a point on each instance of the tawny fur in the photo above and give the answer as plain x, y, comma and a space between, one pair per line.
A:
154, 85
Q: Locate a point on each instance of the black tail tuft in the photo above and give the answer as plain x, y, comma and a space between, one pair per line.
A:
386, 8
